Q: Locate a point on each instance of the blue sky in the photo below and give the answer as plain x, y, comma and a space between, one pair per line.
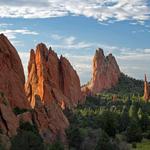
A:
76, 28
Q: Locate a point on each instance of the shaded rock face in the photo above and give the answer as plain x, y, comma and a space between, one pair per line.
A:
105, 73
70, 84
8, 121
52, 85
50, 120
146, 90
11, 74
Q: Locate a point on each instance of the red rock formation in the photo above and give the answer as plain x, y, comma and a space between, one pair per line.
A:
49, 89
70, 81
45, 69
146, 90
52, 84
11, 74
50, 120
105, 74
8, 121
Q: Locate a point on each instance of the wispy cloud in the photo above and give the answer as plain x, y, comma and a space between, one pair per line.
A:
69, 42
12, 34
4, 25
24, 58
101, 10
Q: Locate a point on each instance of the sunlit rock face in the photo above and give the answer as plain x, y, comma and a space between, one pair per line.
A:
52, 85
70, 84
105, 73
11, 75
46, 69
146, 90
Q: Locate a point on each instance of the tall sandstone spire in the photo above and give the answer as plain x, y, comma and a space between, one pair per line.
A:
146, 89
45, 69
105, 73
52, 85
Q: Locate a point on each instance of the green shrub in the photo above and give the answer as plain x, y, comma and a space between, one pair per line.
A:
1, 147
18, 111
134, 132
28, 127
74, 137
27, 140
56, 146
104, 142
134, 145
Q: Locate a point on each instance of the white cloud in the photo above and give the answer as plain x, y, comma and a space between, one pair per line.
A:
82, 64
24, 58
147, 50
56, 37
11, 34
69, 42
4, 25
101, 10
135, 64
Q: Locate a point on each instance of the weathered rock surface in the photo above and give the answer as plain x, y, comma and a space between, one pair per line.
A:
11, 74
70, 81
105, 73
25, 117
52, 85
5, 142
8, 121
146, 90
47, 70
50, 120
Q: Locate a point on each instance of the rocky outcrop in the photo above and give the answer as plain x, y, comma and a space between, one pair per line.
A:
52, 85
105, 73
50, 120
70, 84
5, 142
146, 89
8, 121
11, 75
47, 70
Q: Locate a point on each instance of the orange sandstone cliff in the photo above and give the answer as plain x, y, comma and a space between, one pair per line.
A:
45, 69
105, 73
52, 85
